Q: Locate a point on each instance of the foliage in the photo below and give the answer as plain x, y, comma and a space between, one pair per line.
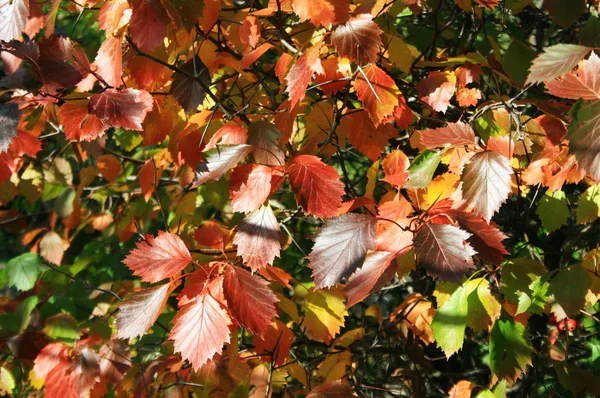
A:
299, 198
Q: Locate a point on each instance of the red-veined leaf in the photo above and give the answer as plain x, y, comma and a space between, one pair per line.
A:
555, 61
375, 273
316, 186
359, 39
220, 161
139, 312
583, 83
302, 72
200, 329
126, 108
442, 249
249, 299
257, 238
155, 259
378, 93
341, 247
455, 134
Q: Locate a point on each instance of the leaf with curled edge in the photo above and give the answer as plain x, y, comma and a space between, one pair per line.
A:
378, 93
316, 186
455, 134
375, 273
341, 247
126, 108
584, 83
485, 183
155, 259
139, 312
258, 238
200, 329
555, 61
219, 161
249, 299
442, 249
359, 39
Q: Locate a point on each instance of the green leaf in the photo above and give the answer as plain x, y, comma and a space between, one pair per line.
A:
517, 61
569, 287
565, 13
23, 313
23, 271
7, 381
63, 205
578, 380
519, 279
422, 169
510, 349
450, 322
553, 210
62, 327
484, 308
590, 33
500, 389
588, 206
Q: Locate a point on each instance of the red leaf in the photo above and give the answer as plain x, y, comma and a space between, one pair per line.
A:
395, 167
219, 162
230, 134
25, 144
437, 90
402, 113
393, 216
316, 186
332, 72
442, 250
13, 18
359, 39
456, 134
79, 124
302, 72
276, 343
554, 128
378, 93
375, 273
341, 247
109, 61
468, 73
126, 108
200, 329
210, 235
486, 239
158, 258
250, 31
249, 187
61, 62
249, 299
53, 355
115, 360
148, 24
322, 12
75, 379
201, 281
139, 312
364, 136
252, 56
257, 238
583, 83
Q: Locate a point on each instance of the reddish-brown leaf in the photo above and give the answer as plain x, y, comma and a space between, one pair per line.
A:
249, 187
79, 124
109, 61
257, 238
189, 87
148, 178
155, 259
437, 90
126, 108
148, 24
322, 12
583, 83
115, 360
302, 72
359, 39
275, 344
282, 66
375, 273
249, 299
61, 62
378, 93
250, 31
486, 238
468, 73
200, 329
265, 137
341, 247
316, 186
403, 114
51, 356
442, 249
395, 167
109, 166
139, 312
219, 162
455, 134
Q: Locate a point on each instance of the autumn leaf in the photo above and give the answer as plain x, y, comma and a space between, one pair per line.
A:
9, 119
115, 360
395, 167
378, 93
322, 12
301, 73
126, 108
437, 90
249, 187
324, 313
418, 313
455, 134
62, 62
190, 83
79, 124
265, 138
485, 183
485, 238
584, 83
109, 61
337, 389
148, 23
316, 186
583, 135
375, 273
359, 39
341, 247
276, 343
157, 258
13, 18
555, 61
257, 238
51, 248
138, 313
442, 250
219, 161
365, 137
393, 234
250, 31
249, 299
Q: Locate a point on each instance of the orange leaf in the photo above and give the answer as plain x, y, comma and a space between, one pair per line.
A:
302, 72
359, 39
322, 12
378, 93
109, 166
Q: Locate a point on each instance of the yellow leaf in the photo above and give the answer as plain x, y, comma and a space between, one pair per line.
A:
350, 337
288, 306
375, 311
399, 53
334, 367
324, 312
439, 189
